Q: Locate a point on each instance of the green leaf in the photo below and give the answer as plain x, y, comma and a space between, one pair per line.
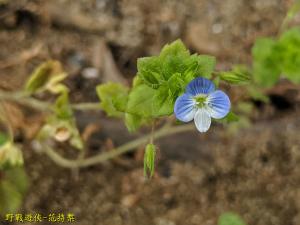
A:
136, 81
62, 107
133, 122
165, 96
3, 138
239, 75
192, 70
176, 48
163, 103
176, 85
266, 57
17, 176
170, 72
140, 101
230, 219
46, 76
175, 58
289, 45
234, 77
149, 70
149, 160
172, 65
10, 156
113, 97
10, 198
12, 188
272, 58
76, 140
216, 81
206, 65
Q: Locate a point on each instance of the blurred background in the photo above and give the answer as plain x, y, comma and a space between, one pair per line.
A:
250, 168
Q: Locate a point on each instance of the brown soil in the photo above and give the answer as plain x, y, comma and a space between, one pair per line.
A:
254, 172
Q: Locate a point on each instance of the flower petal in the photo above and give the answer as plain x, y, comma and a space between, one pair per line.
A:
218, 104
185, 108
202, 120
200, 85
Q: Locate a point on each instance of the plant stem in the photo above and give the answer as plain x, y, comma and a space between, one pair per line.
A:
24, 99
102, 157
86, 106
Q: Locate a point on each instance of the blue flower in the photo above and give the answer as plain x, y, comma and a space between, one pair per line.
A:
201, 102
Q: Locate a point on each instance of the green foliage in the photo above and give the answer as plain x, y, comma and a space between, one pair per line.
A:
140, 101
10, 154
13, 186
62, 107
158, 83
113, 97
160, 80
230, 219
47, 76
206, 65
149, 160
266, 69
18, 178
289, 46
238, 76
174, 58
133, 122
272, 58
162, 103
3, 139
150, 70
10, 198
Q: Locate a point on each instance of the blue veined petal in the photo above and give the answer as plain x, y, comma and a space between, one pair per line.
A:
218, 104
202, 120
200, 85
185, 108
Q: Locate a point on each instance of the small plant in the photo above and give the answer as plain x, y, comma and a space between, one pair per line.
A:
273, 58
230, 218
174, 84
173, 81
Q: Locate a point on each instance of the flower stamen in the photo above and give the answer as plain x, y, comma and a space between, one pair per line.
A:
200, 100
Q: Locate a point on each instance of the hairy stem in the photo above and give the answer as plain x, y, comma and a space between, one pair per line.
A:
102, 157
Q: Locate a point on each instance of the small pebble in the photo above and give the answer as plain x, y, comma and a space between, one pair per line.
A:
90, 73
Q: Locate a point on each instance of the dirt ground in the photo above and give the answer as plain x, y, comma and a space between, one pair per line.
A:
254, 172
